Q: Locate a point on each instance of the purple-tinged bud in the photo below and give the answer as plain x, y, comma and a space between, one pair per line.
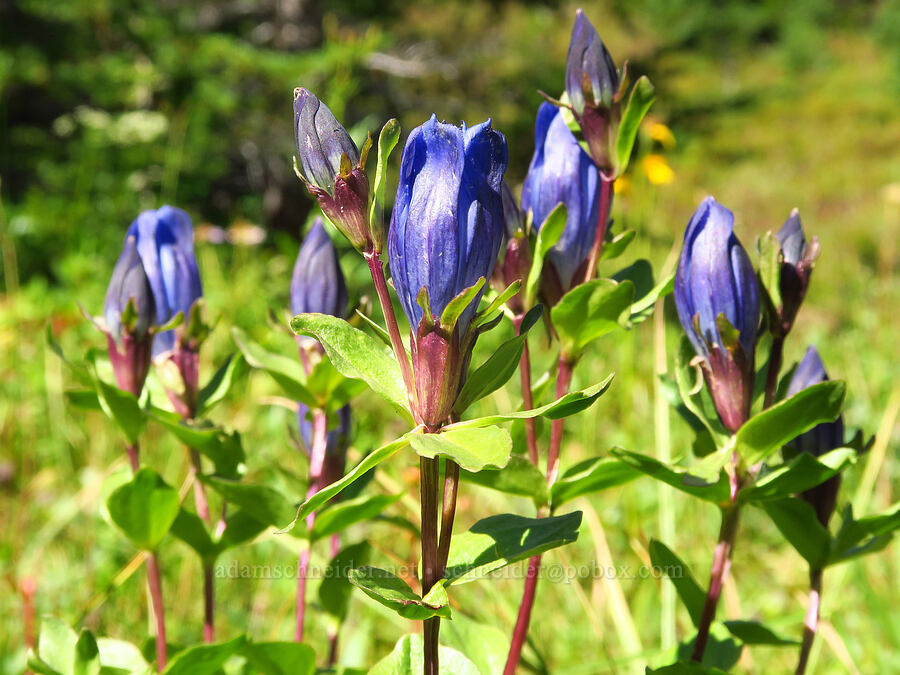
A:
130, 314
165, 243
820, 439
446, 229
334, 171
336, 442
798, 260
515, 255
592, 87
717, 299
317, 284
561, 172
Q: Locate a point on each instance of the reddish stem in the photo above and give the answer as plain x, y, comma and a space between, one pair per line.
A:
156, 598
521, 630
431, 573
563, 380
606, 193
316, 460
812, 619
527, 398
451, 487
381, 288
718, 575
132, 457
208, 604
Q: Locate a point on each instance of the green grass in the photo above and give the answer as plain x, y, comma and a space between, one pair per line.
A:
755, 129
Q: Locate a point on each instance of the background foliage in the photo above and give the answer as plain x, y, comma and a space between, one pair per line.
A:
110, 107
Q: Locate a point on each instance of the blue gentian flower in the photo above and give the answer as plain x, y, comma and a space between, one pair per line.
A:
334, 171
717, 299
446, 229
165, 244
562, 172
798, 259
317, 284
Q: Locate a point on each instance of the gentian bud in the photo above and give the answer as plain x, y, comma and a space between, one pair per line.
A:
718, 304
336, 442
562, 172
130, 314
592, 87
165, 243
515, 261
820, 439
798, 259
446, 229
334, 171
317, 284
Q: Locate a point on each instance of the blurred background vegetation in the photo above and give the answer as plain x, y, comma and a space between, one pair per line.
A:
108, 107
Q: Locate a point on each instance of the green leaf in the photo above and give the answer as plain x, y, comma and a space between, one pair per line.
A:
591, 475
498, 541
692, 596
332, 390
287, 372
717, 493
797, 521
643, 307
590, 311
485, 315
800, 474
87, 655
617, 245
484, 645
754, 633
458, 304
387, 141
118, 656
220, 446
84, 399
766, 432
144, 509
122, 408
685, 668
189, 528
863, 536
770, 257
642, 96
547, 236
408, 658
280, 658
263, 503
214, 391
518, 477
695, 396
56, 648
472, 449
357, 355
394, 593
570, 404
204, 659
339, 517
240, 527
335, 589
380, 332
499, 367
370, 461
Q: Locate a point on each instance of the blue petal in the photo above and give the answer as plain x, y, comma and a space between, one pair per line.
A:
791, 238
589, 59
317, 283
321, 140
809, 371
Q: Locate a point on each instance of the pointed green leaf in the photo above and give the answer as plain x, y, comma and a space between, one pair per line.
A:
122, 408
689, 592
357, 355
266, 504
797, 521
717, 493
189, 528
591, 475
800, 474
370, 461
458, 304
287, 372
590, 311
394, 593
617, 245
570, 404
485, 645
518, 477
222, 447
768, 431
144, 509
214, 391
547, 236
334, 591
118, 656
485, 315
387, 141
642, 96
498, 541
87, 655
339, 517
240, 527
408, 658
280, 658
695, 396
769, 249
754, 633
863, 536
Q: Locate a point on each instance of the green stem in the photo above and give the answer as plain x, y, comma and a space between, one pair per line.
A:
775, 358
